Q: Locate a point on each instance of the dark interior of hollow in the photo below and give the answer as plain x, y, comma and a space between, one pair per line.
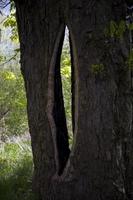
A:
59, 114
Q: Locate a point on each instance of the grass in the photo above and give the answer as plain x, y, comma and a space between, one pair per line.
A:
15, 171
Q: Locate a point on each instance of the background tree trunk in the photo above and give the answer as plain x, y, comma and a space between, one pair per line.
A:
99, 166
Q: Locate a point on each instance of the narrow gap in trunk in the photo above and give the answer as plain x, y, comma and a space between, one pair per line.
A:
62, 110
66, 76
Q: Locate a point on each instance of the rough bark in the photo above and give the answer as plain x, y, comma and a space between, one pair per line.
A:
99, 166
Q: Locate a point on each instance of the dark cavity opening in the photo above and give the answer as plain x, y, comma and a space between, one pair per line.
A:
66, 76
64, 97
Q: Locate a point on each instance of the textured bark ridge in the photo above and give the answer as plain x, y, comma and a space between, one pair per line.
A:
100, 164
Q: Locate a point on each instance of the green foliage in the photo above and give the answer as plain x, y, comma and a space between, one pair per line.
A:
115, 30
121, 29
130, 60
2, 58
130, 26
66, 83
12, 102
15, 171
10, 22
97, 68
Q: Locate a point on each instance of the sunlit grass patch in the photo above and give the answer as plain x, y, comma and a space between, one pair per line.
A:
15, 171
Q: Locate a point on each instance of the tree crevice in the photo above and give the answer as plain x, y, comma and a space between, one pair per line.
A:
55, 107
59, 113
66, 174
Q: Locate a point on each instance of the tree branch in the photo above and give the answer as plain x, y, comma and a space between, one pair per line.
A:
6, 5
3, 114
10, 59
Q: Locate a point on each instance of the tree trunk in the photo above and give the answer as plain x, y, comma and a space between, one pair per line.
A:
99, 166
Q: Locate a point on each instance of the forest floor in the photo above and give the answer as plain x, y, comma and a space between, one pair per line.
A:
16, 169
